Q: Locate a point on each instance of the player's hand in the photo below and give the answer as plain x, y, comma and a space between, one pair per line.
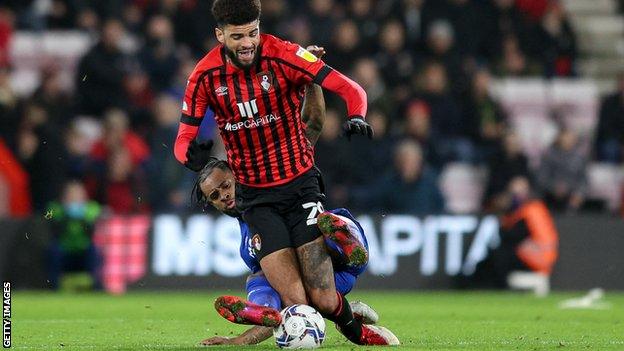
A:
357, 125
198, 155
222, 340
317, 51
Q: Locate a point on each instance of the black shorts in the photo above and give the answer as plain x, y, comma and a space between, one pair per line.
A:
285, 215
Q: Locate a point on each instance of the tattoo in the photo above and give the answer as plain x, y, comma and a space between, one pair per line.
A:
316, 265
313, 112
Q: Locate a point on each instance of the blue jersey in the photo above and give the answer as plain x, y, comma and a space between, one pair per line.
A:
249, 257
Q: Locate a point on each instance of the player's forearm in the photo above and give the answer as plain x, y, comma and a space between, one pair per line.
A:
313, 112
351, 92
186, 134
255, 335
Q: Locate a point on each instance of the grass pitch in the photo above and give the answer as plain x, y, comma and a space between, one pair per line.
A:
421, 320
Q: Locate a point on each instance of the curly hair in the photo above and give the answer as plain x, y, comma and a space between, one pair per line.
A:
235, 12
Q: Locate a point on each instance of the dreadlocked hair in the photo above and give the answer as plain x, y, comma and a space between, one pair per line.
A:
197, 196
235, 12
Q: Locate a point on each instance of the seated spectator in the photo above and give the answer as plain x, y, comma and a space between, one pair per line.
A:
610, 131
507, 164
484, 119
117, 133
169, 183
514, 62
122, 188
557, 42
561, 175
411, 186
100, 72
446, 119
330, 152
72, 221
41, 151
529, 238
417, 126
158, 56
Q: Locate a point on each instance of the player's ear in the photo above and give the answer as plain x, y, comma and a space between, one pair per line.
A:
220, 35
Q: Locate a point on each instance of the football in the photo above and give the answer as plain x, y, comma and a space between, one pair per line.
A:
302, 327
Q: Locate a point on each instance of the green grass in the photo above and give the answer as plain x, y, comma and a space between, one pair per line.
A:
421, 320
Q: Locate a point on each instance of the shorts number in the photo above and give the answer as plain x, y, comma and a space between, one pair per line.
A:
316, 208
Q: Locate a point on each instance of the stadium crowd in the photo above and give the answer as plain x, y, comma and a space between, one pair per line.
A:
427, 66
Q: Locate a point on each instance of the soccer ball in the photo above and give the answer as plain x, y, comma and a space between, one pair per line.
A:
302, 328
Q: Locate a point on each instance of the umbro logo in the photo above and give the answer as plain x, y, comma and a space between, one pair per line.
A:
220, 91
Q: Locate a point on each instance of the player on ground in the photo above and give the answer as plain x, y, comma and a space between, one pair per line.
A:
343, 236
254, 84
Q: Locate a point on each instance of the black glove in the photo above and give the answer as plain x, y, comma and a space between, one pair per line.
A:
357, 125
198, 155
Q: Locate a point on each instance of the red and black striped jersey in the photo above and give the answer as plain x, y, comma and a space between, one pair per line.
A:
258, 110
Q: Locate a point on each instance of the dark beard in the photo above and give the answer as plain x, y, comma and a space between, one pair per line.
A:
232, 55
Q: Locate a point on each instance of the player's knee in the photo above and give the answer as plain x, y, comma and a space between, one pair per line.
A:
326, 301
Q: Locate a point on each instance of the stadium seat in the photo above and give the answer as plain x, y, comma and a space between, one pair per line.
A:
462, 186
605, 183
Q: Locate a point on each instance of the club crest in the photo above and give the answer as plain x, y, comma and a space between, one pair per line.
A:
266, 80
256, 243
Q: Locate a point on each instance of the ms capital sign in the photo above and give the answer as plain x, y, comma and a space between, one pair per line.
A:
203, 245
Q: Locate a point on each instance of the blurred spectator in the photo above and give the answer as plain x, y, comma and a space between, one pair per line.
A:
51, 97
529, 238
41, 151
122, 188
78, 149
440, 48
514, 62
321, 16
464, 16
501, 19
366, 73
61, 15
484, 119
118, 135
374, 151
169, 183
366, 16
411, 187
138, 99
100, 72
345, 45
506, 165
417, 126
410, 14
9, 117
88, 21
395, 60
158, 56
446, 123
610, 131
7, 19
557, 42
561, 175
331, 151
72, 221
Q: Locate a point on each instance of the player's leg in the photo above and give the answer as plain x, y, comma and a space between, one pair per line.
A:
344, 284
272, 246
345, 239
317, 271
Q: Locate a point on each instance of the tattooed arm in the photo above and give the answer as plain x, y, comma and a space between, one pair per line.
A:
313, 112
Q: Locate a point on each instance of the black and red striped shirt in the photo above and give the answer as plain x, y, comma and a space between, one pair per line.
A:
258, 110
